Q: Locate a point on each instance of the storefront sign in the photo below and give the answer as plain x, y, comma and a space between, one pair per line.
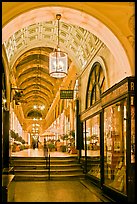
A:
66, 94
115, 93
132, 86
92, 110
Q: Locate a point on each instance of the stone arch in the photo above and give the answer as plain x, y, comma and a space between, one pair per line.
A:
102, 63
96, 81
7, 79
77, 17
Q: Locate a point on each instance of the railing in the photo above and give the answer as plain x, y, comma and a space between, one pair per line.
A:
49, 167
47, 157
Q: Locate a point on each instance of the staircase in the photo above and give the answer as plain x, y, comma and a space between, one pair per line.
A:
34, 168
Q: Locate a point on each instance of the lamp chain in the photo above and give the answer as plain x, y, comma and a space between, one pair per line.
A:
58, 17
58, 34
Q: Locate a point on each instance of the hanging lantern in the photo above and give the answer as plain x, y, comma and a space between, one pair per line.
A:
58, 60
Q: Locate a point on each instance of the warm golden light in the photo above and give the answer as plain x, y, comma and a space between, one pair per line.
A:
58, 60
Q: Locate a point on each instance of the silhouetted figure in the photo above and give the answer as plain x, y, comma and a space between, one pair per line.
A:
46, 152
33, 145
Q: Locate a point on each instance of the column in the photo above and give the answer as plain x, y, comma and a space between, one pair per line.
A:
71, 116
5, 136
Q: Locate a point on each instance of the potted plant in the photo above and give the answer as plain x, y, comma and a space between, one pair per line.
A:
63, 148
51, 147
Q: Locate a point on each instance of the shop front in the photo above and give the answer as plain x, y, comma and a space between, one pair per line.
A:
91, 155
109, 141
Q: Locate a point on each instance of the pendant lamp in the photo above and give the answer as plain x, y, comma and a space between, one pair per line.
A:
58, 60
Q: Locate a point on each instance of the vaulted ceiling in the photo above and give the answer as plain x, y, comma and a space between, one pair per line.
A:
28, 55
29, 34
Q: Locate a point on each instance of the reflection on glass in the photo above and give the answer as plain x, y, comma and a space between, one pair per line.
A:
115, 146
93, 146
84, 133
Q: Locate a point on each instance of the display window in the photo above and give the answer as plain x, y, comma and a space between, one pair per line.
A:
109, 137
93, 145
83, 151
115, 117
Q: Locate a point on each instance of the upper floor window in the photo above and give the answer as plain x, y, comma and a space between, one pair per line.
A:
96, 84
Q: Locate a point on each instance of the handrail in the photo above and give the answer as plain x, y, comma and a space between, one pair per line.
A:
49, 168
47, 157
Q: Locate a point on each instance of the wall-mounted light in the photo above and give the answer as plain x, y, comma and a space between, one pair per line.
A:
18, 95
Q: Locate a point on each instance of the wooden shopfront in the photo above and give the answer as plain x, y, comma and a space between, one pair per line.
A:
109, 141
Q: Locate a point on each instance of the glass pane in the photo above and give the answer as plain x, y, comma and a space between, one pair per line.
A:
90, 90
93, 94
115, 146
97, 93
102, 81
88, 100
83, 150
93, 146
96, 85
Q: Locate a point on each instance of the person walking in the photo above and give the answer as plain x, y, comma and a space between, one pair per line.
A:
45, 152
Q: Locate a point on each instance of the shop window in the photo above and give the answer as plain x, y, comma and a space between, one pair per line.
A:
84, 141
93, 145
115, 145
96, 85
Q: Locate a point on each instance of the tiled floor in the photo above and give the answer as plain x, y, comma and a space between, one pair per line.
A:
56, 191
40, 153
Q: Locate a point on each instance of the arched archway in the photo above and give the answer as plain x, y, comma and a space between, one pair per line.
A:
6, 73
77, 17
